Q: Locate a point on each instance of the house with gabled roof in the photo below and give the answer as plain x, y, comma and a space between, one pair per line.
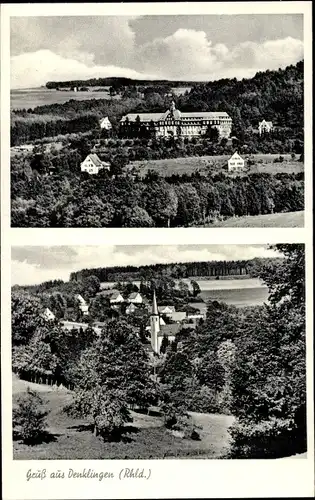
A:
236, 163
166, 310
135, 298
48, 315
105, 123
114, 296
131, 308
92, 164
265, 127
83, 306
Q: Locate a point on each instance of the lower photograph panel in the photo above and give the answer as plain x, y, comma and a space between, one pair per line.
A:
157, 352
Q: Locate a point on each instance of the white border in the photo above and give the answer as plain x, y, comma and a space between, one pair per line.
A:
170, 478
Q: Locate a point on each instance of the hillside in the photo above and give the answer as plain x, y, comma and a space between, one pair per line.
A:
276, 96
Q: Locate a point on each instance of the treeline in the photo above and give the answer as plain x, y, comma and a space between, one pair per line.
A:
27, 129
276, 96
178, 270
67, 198
116, 81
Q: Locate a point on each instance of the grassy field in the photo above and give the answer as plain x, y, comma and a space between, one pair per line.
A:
288, 219
145, 437
204, 164
30, 98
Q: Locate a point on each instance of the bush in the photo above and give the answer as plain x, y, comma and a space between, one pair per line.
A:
29, 417
273, 438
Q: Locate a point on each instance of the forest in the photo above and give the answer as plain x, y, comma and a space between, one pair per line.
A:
276, 96
48, 190
179, 270
117, 82
248, 362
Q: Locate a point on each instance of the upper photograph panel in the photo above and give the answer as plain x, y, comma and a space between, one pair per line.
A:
157, 121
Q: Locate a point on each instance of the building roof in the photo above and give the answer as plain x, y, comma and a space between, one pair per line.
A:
236, 156
133, 295
131, 306
147, 117
48, 313
161, 309
155, 311
81, 299
263, 122
73, 325
112, 293
169, 330
178, 315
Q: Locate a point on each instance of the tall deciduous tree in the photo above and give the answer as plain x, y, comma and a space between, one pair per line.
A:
269, 379
115, 373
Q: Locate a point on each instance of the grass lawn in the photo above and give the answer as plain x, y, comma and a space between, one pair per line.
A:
144, 438
202, 164
288, 219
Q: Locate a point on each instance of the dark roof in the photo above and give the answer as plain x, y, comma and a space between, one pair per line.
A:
169, 330
147, 117
95, 159
112, 293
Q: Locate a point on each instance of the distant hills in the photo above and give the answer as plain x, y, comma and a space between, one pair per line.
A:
114, 81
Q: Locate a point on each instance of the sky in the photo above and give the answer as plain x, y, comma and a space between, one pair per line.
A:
187, 47
36, 264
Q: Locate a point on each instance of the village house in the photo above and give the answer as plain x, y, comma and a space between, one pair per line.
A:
178, 316
73, 325
166, 310
105, 124
114, 296
83, 306
135, 298
92, 164
131, 308
265, 127
236, 163
181, 124
48, 315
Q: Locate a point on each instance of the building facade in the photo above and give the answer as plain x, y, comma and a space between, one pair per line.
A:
92, 164
174, 123
105, 123
236, 163
265, 127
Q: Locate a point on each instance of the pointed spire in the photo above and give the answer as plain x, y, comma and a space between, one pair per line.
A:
154, 305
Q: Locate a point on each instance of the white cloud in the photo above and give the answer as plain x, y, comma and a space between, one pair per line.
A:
24, 273
36, 68
186, 54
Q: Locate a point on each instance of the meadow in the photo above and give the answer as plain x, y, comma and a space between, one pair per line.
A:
31, 98
264, 163
286, 219
146, 437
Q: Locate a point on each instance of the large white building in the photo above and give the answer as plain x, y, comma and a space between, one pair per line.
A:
176, 123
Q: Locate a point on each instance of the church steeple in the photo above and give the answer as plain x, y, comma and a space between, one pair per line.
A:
154, 305
154, 325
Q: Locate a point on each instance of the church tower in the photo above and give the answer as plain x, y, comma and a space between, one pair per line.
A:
155, 325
